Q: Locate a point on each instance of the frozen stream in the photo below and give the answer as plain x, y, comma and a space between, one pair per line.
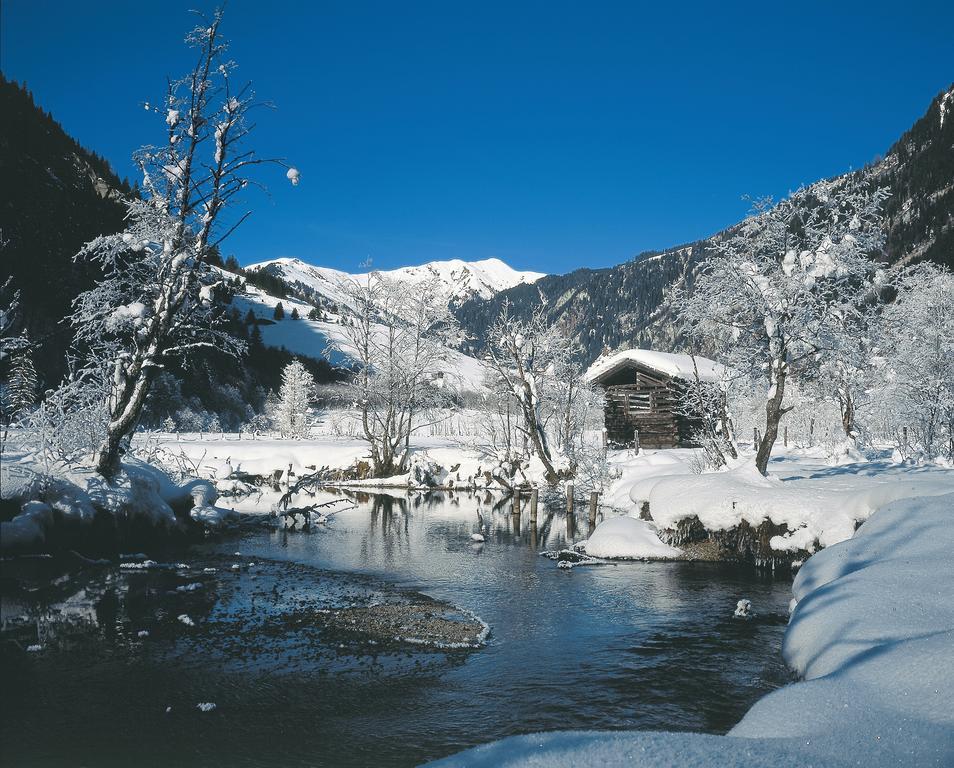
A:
634, 645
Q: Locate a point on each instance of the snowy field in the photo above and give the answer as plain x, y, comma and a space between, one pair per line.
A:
872, 639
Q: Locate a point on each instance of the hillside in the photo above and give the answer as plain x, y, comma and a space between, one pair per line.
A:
625, 305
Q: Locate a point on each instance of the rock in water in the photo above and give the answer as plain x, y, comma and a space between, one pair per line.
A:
743, 610
477, 537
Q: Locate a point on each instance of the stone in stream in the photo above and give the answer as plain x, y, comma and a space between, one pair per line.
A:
743, 610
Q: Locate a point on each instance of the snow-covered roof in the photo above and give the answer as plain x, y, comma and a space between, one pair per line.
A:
668, 363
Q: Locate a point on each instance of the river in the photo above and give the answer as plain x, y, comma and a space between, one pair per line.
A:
118, 675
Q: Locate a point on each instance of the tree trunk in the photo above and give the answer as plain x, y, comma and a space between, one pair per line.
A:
123, 419
773, 415
848, 416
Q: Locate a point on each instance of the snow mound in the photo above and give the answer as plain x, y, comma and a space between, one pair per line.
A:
626, 538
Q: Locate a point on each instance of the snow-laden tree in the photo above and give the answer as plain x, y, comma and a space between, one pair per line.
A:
916, 342
766, 298
397, 341
156, 300
293, 414
22, 383
525, 356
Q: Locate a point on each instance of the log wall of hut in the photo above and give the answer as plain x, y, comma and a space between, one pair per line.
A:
641, 399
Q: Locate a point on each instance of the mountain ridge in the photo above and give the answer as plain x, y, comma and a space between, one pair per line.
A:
463, 280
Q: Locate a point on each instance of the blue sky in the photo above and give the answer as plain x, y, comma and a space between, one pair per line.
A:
551, 135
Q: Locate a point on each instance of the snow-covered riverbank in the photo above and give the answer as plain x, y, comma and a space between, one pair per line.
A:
871, 638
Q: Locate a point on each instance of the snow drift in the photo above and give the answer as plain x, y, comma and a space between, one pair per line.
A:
626, 538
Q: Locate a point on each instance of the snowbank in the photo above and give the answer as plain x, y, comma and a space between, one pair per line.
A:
140, 494
626, 538
872, 637
816, 501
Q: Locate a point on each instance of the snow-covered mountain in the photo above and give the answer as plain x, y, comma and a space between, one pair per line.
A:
458, 280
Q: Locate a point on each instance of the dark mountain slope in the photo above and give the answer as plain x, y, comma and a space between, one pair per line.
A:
54, 196
625, 305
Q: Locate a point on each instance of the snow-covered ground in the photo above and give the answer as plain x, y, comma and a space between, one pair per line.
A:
872, 639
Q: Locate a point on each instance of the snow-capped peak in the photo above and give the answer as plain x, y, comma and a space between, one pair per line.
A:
462, 280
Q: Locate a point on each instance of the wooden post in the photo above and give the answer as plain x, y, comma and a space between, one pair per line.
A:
785, 439
569, 498
594, 500
516, 501
534, 496
636, 441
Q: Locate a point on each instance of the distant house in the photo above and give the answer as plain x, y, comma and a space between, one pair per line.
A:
643, 388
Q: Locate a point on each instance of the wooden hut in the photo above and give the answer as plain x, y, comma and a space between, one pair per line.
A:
643, 388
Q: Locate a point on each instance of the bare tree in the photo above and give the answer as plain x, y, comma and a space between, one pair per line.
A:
397, 341
705, 403
524, 356
156, 300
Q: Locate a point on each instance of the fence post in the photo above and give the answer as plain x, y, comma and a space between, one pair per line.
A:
534, 494
636, 441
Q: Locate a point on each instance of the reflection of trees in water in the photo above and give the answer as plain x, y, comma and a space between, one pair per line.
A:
389, 520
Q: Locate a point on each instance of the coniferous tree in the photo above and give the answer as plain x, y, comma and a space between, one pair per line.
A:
295, 396
21, 385
279, 313
294, 313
